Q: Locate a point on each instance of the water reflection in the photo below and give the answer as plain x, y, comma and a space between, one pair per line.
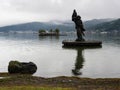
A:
49, 37
93, 63
79, 62
18, 36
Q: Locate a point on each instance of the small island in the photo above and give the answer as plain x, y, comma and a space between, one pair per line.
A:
51, 32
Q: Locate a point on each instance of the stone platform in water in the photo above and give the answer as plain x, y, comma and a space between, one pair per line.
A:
81, 43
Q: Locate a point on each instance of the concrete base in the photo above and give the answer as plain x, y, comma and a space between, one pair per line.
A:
70, 43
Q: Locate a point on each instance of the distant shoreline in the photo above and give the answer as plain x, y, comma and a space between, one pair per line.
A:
52, 34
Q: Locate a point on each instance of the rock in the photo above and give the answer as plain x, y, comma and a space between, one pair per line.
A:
22, 67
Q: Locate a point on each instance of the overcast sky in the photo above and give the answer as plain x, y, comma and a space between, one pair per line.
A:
18, 11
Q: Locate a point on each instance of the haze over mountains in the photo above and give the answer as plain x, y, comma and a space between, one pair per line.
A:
110, 26
91, 25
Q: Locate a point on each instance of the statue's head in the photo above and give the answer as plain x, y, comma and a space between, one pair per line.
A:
74, 11
78, 17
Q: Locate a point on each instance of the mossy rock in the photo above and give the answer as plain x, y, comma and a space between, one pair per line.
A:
21, 67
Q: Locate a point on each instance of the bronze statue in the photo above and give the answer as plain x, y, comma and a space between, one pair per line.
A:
78, 25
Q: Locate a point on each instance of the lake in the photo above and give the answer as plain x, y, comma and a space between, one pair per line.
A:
53, 60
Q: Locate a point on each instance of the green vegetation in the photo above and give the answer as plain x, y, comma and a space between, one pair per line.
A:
33, 88
42, 31
51, 32
57, 31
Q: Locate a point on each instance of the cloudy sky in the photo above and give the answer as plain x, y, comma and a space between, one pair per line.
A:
18, 11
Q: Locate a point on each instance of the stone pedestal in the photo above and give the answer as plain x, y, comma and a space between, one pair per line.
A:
87, 43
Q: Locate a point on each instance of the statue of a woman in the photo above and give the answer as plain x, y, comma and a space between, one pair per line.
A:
78, 25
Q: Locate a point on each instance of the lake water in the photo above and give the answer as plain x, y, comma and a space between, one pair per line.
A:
52, 60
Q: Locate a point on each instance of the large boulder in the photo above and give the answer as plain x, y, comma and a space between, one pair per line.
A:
21, 67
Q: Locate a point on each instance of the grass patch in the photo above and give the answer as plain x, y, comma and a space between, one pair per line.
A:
33, 88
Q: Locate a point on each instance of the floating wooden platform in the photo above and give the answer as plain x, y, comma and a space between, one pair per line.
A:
81, 43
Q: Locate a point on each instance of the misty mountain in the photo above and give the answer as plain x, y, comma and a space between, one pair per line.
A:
35, 26
107, 26
95, 24
91, 23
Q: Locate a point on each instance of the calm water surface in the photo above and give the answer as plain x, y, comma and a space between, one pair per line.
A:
52, 60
